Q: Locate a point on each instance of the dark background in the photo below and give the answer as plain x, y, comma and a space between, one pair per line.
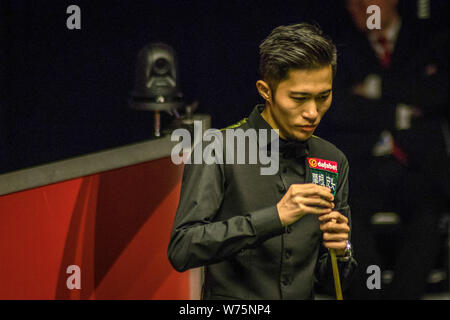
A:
64, 92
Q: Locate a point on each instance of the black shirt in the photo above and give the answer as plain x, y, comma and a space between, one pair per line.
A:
227, 220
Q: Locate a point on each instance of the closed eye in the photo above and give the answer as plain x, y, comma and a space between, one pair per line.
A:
323, 97
300, 99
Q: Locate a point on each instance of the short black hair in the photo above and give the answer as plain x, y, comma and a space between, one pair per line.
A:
297, 46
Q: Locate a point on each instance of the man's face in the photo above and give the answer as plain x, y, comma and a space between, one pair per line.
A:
300, 102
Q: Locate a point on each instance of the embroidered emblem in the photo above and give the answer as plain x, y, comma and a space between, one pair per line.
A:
237, 124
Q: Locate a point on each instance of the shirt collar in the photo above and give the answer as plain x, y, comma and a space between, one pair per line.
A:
256, 120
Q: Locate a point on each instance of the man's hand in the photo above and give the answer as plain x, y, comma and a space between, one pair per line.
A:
335, 231
302, 199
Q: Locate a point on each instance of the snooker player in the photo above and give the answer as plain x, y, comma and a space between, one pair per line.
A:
266, 236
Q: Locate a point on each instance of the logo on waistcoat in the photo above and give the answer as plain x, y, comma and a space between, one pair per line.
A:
324, 173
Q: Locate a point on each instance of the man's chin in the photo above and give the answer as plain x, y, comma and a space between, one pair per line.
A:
302, 136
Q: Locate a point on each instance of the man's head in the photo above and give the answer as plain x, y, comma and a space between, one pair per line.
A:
297, 65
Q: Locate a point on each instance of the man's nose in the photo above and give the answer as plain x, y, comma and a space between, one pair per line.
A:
310, 112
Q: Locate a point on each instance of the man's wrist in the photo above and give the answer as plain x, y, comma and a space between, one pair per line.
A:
346, 254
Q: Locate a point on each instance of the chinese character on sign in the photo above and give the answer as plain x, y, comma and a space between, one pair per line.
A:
321, 180
315, 178
330, 184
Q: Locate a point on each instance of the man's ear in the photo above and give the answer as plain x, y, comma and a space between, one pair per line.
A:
264, 90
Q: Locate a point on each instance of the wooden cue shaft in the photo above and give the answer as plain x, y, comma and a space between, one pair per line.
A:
337, 281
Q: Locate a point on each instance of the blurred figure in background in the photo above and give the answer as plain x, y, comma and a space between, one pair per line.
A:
389, 118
